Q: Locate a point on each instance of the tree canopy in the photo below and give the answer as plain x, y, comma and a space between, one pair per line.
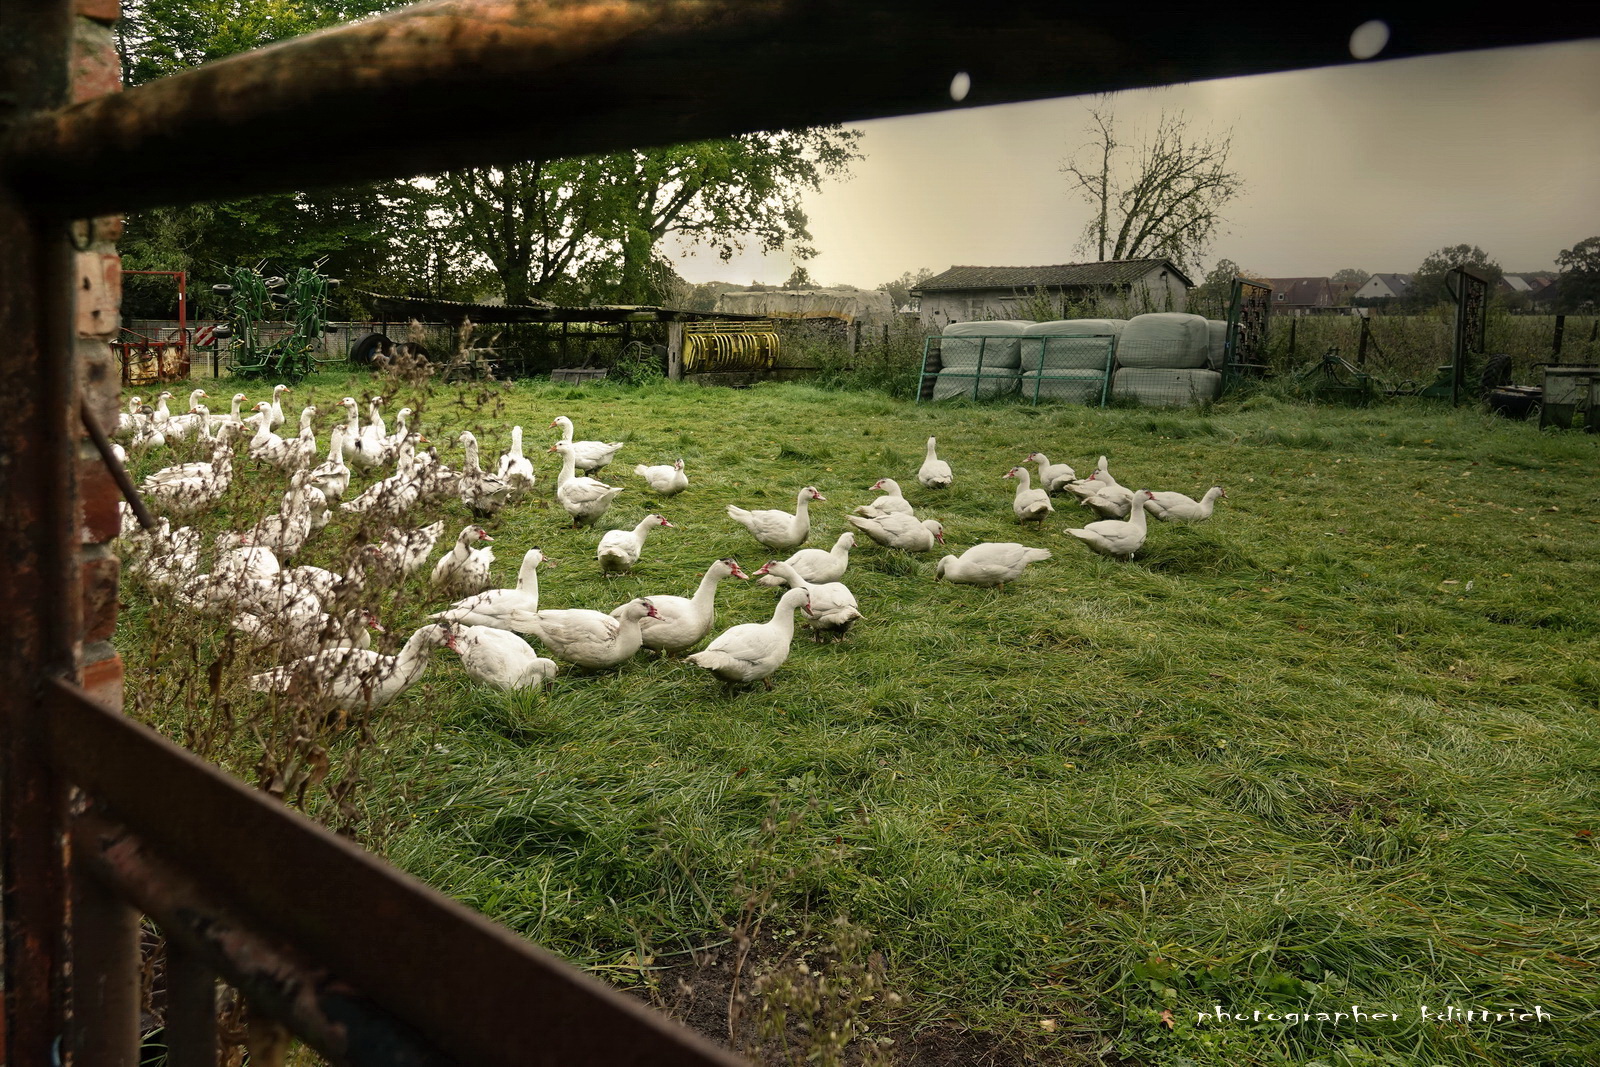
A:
1164, 196
1428, 281
588, 229
1580, 274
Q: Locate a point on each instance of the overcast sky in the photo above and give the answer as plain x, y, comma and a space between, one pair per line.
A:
1369, 166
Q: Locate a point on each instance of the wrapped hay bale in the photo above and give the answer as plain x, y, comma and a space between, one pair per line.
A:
1076, 387
1069, 344
1166, 388
1164, 340
1219, 344
968, 382
961, 344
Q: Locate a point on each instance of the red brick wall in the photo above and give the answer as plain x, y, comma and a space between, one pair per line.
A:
96, 71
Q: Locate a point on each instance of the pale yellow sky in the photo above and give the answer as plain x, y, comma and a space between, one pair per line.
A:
1370, 166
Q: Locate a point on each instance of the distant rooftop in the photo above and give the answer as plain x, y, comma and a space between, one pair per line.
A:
1060, 276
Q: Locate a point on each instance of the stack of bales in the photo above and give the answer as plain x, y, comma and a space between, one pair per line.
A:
979, 359
1068, 359
1167, 358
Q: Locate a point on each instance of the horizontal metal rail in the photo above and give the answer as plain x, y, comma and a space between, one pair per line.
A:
464, 82
371, 929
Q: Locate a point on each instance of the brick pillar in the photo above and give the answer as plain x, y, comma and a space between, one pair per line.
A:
96, 71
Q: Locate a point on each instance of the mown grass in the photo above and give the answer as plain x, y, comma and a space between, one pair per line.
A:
1335, 747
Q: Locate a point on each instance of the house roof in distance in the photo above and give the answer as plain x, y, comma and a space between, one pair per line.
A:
1060, 276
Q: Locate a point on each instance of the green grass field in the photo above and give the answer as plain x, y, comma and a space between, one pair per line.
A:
1335, 748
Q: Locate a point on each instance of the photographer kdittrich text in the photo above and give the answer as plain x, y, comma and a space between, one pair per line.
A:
1357, 1013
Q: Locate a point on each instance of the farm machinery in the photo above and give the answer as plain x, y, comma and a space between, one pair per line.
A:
275, 325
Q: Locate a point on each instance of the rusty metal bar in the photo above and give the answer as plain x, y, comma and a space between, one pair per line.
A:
191, 1017
105, 969
287, 986
38, 546
119, 473
501, 1000
463, 82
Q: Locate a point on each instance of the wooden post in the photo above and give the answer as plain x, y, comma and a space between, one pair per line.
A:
675, 351
1361, 346
1294, 326
855, 336
1555, 346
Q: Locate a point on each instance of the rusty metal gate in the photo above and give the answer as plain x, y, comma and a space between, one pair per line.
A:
101, 820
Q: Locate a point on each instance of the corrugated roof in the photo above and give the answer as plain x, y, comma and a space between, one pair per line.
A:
1060, 276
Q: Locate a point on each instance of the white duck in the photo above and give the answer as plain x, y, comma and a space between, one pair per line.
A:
329, 587
191, 490
1052, 476
585, 499
274, 407
588, 455
232, 416
818, 565
291, 634
592, 639
483, 492
505, 609
395, 494
284, 532
620, 549
1084, 488
332, 477
1115, 537
1029, 504
303, 448
935, 472
402, 553
666, 479
991, 563
890, 502
779, 529
132, 420
753, 651
357, 451
832, 607
393, 442
267, 446
375, 434
515, 468
147, 435
183, 427
464, 570
680, 622
900, 531
355, 679
1111, 502
1175, 507
249, 561
501, 659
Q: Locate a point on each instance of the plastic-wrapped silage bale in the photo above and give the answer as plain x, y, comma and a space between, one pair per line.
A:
1069, 344
1077, 387
1164, 340
1166, 387
1219, 344
961, 344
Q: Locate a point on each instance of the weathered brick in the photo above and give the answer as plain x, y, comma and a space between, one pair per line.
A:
100, 496
100, 372
102, 678
99, 577
96, 68
99, 294
108, 229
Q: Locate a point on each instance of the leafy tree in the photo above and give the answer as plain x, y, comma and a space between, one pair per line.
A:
800, 278
1351, 276
1580, 274
591, 228
899, 289
1163, 197
1428, 281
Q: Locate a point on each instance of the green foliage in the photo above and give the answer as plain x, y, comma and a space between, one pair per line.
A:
1350, 276
899, 289
1580, 275
1428, 281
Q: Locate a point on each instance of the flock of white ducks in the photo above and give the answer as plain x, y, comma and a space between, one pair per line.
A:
314, 619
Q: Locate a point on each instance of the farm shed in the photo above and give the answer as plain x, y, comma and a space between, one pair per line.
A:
1115, 288
152, 830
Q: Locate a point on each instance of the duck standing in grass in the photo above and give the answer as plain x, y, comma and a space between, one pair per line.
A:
1175, 507
464, 570
990, 564
500, 659
1029, 504
935, 472
619, 550
753, 651
1117, 538
779, 529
